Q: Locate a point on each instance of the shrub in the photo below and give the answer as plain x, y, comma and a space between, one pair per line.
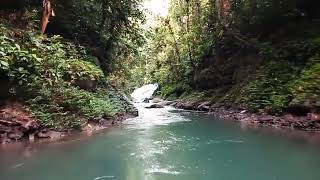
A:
43, 72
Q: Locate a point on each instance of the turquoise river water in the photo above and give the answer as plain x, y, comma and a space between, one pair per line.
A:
169, 144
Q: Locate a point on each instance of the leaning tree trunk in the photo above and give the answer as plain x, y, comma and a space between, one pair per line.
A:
47, 12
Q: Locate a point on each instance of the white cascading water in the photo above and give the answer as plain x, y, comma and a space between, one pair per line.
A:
150, 117
144, 92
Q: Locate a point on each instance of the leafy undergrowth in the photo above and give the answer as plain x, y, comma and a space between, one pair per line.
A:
289, 78
57, 80
306, 89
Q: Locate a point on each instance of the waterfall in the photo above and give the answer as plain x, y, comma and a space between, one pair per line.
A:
144, 92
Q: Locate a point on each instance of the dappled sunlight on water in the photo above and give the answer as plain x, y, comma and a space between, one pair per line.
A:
168, 144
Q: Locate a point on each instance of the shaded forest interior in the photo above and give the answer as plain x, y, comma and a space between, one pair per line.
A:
260, 55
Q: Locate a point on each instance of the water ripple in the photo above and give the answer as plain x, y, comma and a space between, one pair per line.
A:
157, 169
104, 177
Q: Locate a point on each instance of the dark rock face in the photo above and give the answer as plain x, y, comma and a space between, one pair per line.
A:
155, 106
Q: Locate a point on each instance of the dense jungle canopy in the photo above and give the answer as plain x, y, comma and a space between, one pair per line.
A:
259, 54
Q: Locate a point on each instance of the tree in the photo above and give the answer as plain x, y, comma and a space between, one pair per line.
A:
47, 12
101, 26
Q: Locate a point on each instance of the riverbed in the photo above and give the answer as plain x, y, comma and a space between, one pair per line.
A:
169, 144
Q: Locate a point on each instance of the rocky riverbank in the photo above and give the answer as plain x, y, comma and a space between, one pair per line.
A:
17, 124
311, 121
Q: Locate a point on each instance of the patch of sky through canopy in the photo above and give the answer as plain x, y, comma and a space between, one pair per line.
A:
154, 9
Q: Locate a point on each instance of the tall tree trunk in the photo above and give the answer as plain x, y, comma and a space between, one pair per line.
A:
47, 12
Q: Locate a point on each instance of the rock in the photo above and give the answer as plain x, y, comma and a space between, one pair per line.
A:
50, 134
54, 135
43, 134
204, 106
287, 120
313, 117
154, 106
265, 118
243, 111
156, 100
317, 125
4, 139
166, 103
185, 105
31, 125
147, 100
134, 113
15, 135
188, 106
174, 104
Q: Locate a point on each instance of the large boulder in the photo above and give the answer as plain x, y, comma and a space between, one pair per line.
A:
155, 106
186, 105
204, 106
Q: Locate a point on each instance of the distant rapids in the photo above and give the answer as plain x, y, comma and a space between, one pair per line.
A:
144, 92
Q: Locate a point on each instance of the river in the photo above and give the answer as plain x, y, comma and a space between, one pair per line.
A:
168, 144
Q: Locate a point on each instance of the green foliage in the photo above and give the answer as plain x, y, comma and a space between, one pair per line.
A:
199, 41
70, 107
174, 91
303, 49
43, 72
128, 72
80, 69
177, 44
92, 105
280, 85
203, 42
12, 56
269, 88
110, 29
306, 89
167, 91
